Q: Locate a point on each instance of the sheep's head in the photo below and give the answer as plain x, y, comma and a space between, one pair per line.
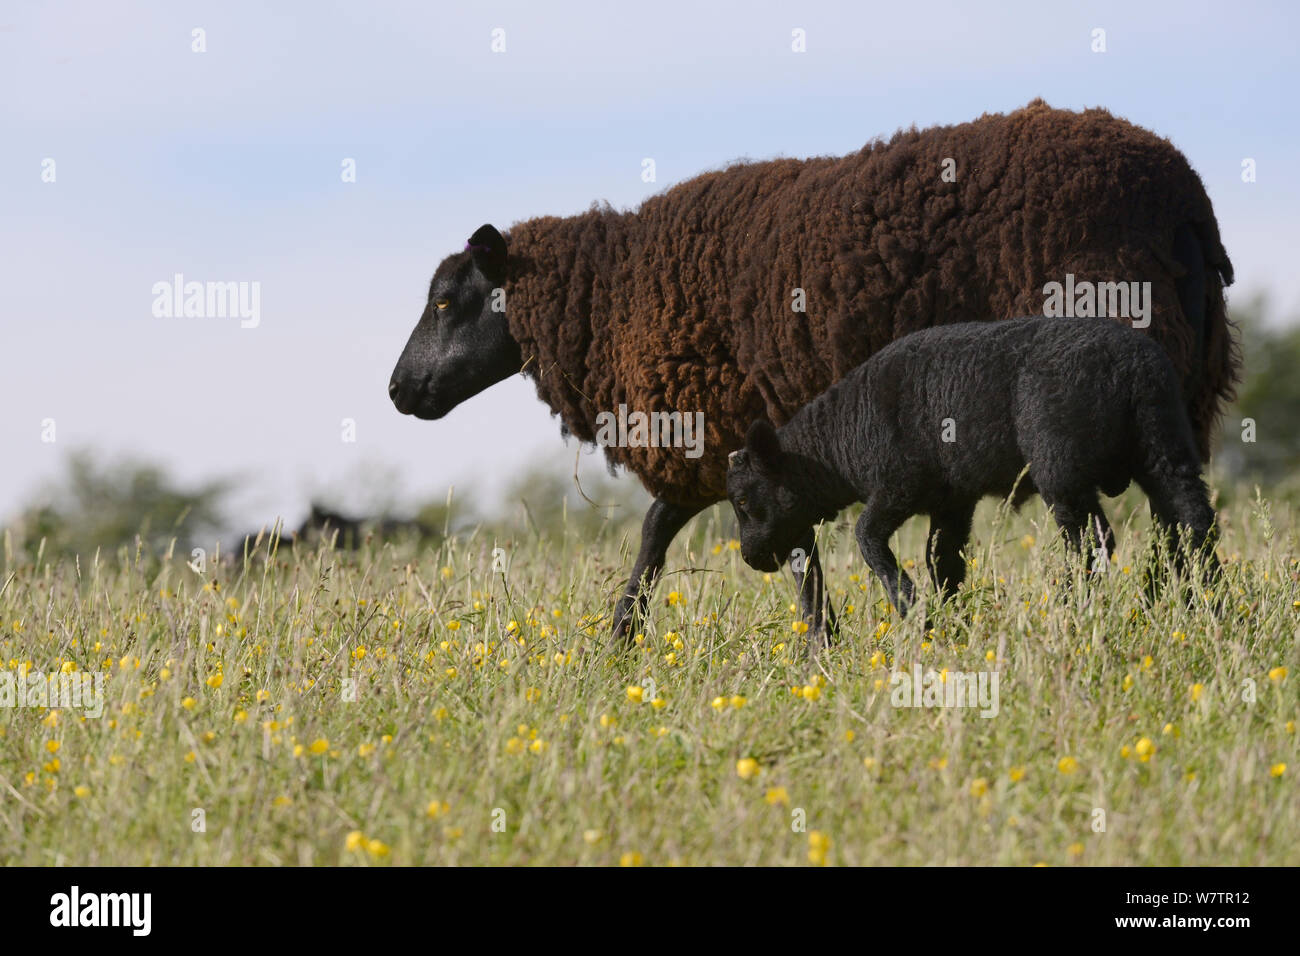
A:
772, 521
462, 343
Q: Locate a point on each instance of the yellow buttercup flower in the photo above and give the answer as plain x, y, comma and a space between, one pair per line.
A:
747, 768
819, 845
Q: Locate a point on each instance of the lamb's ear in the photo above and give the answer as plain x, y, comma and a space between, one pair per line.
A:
762, 443
488, 247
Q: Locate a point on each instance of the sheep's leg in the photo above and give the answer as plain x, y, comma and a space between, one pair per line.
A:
872, 531
661, 524
811, 584
949, 532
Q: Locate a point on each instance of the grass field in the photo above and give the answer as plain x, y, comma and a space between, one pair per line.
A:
396, 706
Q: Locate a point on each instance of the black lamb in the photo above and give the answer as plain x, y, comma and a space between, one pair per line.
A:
943, 417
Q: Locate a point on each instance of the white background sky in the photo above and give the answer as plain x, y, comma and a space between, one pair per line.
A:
225, 166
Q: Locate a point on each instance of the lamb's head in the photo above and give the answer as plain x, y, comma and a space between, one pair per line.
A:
462, 343
772, 519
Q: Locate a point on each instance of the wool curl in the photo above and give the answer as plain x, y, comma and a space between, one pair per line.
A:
685, 304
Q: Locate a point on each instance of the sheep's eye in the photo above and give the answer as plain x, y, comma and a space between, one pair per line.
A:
742, 502
442, 304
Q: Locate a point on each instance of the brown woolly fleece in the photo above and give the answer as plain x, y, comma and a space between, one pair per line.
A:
686, 304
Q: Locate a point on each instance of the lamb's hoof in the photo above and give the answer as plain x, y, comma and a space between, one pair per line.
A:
620, 631
818, 641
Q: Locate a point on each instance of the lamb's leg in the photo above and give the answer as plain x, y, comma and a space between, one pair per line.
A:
661, 524
1079, 516
949, 532
811, 583
1180, 506
873, 530
1191, 505
1164, 533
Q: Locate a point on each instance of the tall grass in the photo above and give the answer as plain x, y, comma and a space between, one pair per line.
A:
396, 706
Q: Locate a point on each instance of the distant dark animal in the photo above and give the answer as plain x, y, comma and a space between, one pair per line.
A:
323, 525
268, 536
692, 302
944, 417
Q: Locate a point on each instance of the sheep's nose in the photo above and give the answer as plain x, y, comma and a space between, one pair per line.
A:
401, 396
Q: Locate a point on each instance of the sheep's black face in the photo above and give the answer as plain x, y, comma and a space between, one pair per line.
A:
771, 521
462, 343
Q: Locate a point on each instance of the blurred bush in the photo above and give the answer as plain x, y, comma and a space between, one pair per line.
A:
100, 505
1259, 442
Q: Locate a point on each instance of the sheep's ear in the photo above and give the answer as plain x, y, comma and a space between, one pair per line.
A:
762, 443
488, 247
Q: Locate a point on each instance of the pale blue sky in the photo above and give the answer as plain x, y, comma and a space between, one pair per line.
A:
225, 166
